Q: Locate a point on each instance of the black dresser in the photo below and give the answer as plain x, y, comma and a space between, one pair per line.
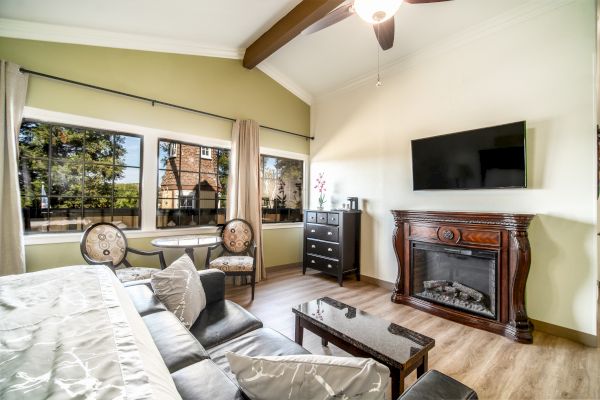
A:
332, 242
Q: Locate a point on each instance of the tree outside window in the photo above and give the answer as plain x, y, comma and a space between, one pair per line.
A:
71, 177
282, 183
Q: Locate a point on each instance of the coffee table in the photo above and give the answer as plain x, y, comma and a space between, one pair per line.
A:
188, 242
365, 335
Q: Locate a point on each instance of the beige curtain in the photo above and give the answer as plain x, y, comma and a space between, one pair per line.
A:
243, 195
13, 88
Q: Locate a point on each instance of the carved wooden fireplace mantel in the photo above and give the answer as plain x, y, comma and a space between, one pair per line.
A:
494, 241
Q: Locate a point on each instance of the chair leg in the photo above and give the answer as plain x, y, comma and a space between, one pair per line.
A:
253, 282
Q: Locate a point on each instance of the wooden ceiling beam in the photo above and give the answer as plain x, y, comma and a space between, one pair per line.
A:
291, 25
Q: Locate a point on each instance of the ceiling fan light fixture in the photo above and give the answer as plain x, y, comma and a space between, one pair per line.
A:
376, 11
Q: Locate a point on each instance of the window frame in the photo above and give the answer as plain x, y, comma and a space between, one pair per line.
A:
179, 144
51, 159
304, 187
207, 156
150, 173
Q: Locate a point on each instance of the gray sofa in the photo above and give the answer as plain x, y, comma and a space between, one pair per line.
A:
196, 357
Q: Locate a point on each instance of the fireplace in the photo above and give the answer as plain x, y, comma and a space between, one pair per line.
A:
461, 278
468, 267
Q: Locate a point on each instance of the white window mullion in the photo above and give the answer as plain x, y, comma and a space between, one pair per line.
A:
149, 182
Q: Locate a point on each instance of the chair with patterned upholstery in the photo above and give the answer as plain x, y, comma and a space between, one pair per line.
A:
238, 251
104, 243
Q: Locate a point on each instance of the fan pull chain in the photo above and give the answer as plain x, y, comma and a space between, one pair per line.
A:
379, 82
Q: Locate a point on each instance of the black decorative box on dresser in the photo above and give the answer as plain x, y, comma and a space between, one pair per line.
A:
332, 242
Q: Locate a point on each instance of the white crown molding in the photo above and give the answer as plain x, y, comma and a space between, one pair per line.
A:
501, 22
285, 81
94, 37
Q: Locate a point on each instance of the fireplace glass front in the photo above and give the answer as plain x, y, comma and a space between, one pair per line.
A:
464, 279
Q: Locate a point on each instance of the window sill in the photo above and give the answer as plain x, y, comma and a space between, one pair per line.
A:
281, 225
75, 237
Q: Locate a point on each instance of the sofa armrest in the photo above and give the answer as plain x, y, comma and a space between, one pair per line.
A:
213, 282
436, 385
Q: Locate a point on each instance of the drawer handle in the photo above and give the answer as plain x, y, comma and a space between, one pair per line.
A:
330, 233
312, 261
312, 231
329, 266
329, 249
313, 246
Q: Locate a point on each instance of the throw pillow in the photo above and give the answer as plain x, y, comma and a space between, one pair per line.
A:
309, 376
179, 288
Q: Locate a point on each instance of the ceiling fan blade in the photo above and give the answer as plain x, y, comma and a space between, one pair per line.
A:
423, 1
385, 33
342, 12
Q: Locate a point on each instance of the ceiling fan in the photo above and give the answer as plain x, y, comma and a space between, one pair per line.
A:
379, 13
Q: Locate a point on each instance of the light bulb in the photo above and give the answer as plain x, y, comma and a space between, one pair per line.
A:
376, 11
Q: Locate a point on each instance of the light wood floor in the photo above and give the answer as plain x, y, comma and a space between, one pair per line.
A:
550, 368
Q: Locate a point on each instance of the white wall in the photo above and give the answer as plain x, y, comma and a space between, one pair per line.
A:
538, 68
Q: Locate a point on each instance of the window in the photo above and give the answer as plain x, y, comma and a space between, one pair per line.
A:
282, 183
206, 153
172, 150
71, 177
188, 199
192, 184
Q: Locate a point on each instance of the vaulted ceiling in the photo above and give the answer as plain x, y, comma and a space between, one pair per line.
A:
309, 65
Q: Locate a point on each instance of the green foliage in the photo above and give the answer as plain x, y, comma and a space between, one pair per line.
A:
285, 175
289, 170
281, 197
127, 190
223, 171
80, 162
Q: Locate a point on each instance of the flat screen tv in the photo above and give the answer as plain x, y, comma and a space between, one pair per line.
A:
486, 158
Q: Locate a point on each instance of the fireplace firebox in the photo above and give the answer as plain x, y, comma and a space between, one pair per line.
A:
468, 267
461, 278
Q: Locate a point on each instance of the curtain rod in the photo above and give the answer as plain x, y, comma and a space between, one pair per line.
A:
154, 101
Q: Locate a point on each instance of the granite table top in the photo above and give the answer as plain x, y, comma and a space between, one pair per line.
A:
384, 340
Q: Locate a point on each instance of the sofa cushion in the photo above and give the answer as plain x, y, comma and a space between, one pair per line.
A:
260, 342
221, 321
180, 289
435, 385
144, 300
205, 381
310, 376
176, 345
233, 263
213, 282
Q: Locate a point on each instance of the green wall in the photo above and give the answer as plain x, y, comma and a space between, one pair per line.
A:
282, 246
220, 86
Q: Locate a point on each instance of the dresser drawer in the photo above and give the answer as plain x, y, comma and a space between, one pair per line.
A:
322, 218
322, 232
322, 264
333, 219
330, 250
311, 217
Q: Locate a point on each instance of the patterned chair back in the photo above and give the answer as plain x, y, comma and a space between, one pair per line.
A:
237, 236
104, 242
